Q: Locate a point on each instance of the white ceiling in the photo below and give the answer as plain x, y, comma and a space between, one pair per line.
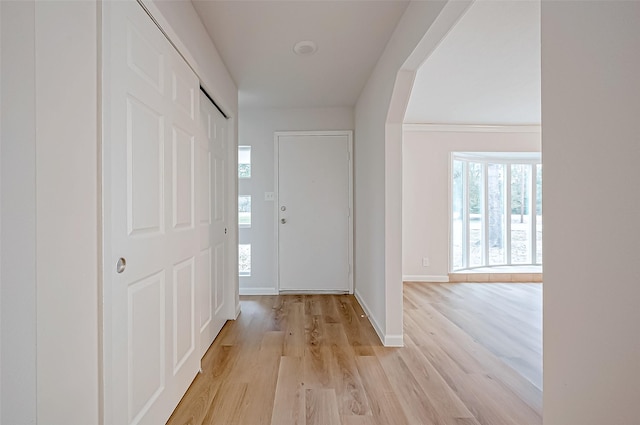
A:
256, 39
485, 71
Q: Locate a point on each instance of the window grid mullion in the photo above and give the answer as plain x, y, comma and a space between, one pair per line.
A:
485, 213
505, 210
508, 215
467, 230
533, 213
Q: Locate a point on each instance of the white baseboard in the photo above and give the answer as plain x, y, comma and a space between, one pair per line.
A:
237, 311
312, 292
425, 278
387, 340
394, 341
258, 291
372, 319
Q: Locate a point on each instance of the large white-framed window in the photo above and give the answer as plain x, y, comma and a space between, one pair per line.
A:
496, 209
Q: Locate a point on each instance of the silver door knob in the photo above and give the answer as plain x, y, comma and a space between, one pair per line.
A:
283, 220
121, 265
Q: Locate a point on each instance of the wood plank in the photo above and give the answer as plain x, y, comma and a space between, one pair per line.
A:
367, 332
294, 338
449, 407
358, 420
312, 305
321, 407
280, 312
316, 360
349, 319
216, 366
227, 405
289, 402
346, 381
329, 310
384, 402
414, 401
258, 406
247, 365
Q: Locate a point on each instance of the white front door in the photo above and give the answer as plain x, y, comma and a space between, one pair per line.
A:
314, 211
151, 319
212, 172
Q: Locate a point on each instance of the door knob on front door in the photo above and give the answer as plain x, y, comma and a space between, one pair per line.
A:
121, 265
283, 220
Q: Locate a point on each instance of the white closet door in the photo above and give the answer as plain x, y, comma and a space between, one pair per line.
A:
212, 166
152, 319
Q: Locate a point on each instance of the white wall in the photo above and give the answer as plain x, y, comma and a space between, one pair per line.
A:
66, 211
1, 215
182, 21
256, 130
18, 215
425, 203
591, 152
49, 199
376, 220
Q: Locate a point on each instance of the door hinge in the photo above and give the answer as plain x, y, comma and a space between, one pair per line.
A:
225, 230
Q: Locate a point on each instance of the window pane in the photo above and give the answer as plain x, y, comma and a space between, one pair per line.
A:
244, 259
539, 214
244, 162
457, 214
476, 210
520, 214
244, 211
496, 213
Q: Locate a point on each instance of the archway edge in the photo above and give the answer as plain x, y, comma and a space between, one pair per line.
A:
449, 16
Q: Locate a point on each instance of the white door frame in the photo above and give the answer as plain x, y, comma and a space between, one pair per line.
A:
276, 137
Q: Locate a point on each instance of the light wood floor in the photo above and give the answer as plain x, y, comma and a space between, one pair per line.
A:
472, 356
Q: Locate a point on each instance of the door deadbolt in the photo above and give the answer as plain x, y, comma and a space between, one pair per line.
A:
121, 265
